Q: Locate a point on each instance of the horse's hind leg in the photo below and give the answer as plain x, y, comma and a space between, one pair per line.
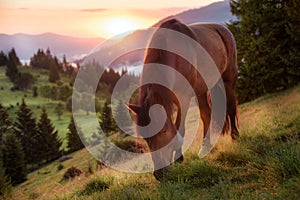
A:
232, 108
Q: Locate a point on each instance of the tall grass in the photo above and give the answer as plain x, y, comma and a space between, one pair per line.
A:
96, 184
263, 164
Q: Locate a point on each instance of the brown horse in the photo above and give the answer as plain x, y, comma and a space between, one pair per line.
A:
219, 42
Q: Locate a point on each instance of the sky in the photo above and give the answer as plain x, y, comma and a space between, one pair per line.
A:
87, 18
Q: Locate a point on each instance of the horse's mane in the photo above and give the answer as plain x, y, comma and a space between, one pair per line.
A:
153, 93
172, 24
177, 25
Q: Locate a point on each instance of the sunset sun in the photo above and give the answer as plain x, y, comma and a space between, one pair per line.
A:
118, 25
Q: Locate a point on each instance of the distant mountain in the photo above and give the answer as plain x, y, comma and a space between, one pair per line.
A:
26, 45
218, 12
75, 48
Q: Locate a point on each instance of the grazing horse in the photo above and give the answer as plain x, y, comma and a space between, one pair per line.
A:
219, 43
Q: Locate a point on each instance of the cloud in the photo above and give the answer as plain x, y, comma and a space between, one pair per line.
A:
139, 11
93, 10
158, 12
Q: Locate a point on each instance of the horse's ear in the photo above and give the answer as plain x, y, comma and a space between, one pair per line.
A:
135, 109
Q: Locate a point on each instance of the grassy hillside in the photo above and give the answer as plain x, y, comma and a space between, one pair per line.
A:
263, 164
11, 99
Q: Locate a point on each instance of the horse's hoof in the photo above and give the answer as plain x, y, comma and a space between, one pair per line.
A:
179, 160
206, 148
159, 174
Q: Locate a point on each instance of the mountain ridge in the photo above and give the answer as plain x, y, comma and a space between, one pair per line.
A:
124, 53
76, 48
27, 44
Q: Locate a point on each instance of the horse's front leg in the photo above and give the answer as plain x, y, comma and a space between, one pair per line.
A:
182, 108
205, 113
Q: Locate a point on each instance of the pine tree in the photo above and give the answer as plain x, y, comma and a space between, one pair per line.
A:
64, 91
50, 143
12, 55
13, 159
293, 29
106, 120
4, 181
12, 71
74, 137
3, 58
48, 53
26, 132
65, 60
25, 81
5, 122
40, 60
53, 71
265, 46
64, 64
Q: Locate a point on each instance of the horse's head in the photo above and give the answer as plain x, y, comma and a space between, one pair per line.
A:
160, 134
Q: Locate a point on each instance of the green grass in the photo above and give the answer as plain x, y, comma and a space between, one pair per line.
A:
11, 99
96, 184
263, 164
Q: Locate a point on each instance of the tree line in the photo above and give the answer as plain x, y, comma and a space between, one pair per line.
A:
21, 81
27, 142
268, 43
24, 81
59, 90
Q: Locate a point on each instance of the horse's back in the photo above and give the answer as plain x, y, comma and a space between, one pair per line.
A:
219, 42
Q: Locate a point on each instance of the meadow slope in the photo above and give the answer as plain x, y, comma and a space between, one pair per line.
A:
263, 164
13, 99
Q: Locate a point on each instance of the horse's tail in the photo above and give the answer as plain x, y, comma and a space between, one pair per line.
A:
231, 116
231, 124
229, 77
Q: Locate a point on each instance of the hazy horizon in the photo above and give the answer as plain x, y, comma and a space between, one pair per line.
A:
88, 19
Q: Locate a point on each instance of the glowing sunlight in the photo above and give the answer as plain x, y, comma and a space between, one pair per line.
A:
118, 25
